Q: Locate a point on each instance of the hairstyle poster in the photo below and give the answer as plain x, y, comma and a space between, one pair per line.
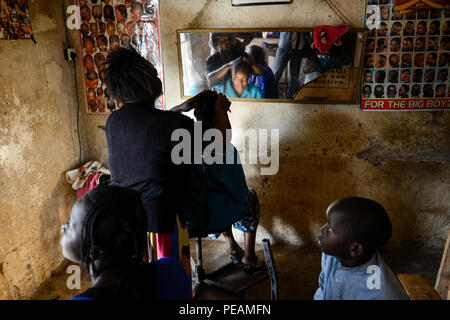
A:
107, 25
15, 23
406, 60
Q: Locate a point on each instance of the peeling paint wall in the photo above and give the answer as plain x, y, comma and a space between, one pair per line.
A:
400, 159
37, 145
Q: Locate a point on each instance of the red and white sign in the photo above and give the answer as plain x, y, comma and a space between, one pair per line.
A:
405, 104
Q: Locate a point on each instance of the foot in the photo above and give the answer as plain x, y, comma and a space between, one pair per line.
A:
234, 249
250, 260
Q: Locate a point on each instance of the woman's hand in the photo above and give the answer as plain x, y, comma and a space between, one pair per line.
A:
222, 103
189, 104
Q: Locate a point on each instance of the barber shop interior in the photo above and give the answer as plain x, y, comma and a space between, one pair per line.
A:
234, 150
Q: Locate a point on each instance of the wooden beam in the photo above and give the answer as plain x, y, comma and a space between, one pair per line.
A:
418, 287
442, 284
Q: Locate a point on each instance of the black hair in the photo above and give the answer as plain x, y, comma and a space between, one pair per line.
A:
115, 228
428, 91
102, 38
91, 75
123, 11
205, 109
415, 90
380, 75
366, 220
241, 66
108, 12
422, 23
137, 5
393, 76
215, 36
378, 91
129, 76
257, 53
396, 40
381, 42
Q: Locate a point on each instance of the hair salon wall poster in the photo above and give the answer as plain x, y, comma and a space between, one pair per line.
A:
406, 60
110, 24
15, 23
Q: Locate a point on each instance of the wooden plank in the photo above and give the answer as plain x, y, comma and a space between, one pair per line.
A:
418, 287
442, 284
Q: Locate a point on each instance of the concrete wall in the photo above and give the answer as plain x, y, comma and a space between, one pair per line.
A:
400, 159
38, 143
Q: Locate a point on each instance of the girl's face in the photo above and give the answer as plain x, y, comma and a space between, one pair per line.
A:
136, 14
131, 28
119, 15
240, 81
120, 28
71, 233
111, 29
94, 29
89, 63
89, 46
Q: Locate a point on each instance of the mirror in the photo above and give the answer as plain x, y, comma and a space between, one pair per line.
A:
270, 65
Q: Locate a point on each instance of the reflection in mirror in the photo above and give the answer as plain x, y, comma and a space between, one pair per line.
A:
259, 65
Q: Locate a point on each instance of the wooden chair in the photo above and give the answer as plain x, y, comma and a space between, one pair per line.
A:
442, 284
419, 288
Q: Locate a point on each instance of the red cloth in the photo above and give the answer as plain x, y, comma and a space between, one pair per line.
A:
334, 33
91, 183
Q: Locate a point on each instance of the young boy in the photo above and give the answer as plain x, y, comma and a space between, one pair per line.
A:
262, 76
352, 269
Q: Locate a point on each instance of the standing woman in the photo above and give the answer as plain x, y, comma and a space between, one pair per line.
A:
139, 150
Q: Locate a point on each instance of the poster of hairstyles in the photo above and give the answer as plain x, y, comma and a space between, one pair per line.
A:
110, 24
15, 23
406, 61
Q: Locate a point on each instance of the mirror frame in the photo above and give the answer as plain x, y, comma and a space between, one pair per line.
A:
351, 97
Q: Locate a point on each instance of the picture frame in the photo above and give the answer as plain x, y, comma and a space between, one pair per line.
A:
239, 3
341, 86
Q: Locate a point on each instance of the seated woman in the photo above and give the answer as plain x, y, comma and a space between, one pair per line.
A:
238, 86
107, 233
218, 195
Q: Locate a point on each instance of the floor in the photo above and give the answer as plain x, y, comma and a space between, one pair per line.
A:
297, 270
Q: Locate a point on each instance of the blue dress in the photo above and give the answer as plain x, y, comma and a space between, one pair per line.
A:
170, 282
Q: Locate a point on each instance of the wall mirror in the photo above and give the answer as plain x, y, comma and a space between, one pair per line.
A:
270, 65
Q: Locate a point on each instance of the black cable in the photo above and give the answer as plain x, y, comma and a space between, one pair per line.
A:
78, 109
73, 57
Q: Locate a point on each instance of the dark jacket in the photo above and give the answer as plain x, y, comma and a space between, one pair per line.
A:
139, 157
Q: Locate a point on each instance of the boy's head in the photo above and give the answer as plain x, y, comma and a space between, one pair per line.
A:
258, 56
240, 72
357, 227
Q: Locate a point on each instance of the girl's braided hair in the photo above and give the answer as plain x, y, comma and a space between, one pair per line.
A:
114, 228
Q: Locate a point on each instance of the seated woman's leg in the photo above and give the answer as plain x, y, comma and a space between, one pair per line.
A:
248, 224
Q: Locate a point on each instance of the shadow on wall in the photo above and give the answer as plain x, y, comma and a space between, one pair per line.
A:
310, 177
324, 164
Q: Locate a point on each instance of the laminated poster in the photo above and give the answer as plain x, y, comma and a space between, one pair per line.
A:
15, 23
110, 24
406, 60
